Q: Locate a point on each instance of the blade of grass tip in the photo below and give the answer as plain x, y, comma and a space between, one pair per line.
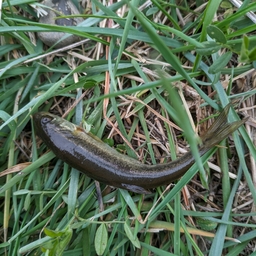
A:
168, 55
238, 249
247, 237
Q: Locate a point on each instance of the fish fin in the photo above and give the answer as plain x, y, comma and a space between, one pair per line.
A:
220, 129
135, 188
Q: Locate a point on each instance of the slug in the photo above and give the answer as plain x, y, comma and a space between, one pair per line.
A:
91, 156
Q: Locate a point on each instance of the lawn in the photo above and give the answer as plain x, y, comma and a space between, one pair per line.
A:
147, 78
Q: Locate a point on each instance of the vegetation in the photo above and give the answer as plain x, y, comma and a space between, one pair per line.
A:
146, 77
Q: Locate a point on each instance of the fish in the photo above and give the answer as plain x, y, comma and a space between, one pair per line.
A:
91, 156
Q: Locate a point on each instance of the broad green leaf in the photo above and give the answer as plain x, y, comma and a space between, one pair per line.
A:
62, 242
215, 33
101, 239
226, 5
53, 233
59, 242
206, 224
151, 11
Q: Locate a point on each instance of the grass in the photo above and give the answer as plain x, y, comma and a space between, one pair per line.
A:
127, 84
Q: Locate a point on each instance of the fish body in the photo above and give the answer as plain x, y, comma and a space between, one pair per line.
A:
91, 156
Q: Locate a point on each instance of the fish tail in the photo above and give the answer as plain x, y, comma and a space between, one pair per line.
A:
220, 129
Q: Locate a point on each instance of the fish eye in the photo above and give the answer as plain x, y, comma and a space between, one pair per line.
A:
46, 119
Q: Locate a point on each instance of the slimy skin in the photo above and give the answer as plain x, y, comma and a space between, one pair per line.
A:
91, 156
